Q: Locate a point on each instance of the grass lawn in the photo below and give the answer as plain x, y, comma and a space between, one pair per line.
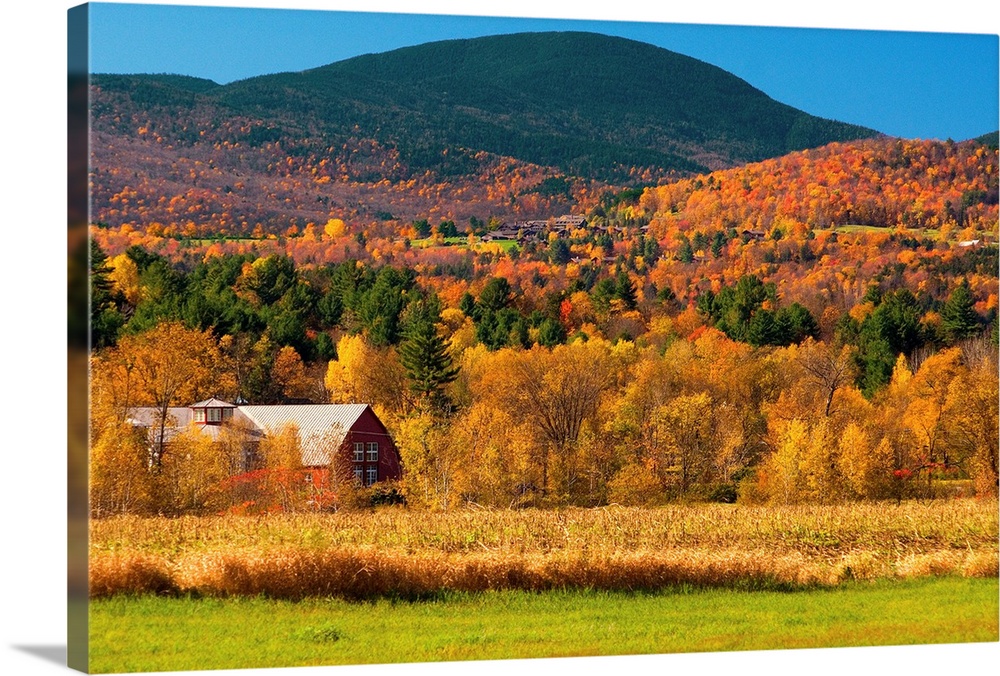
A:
463, 243
448, 241
507, 245
150, 633
852, 228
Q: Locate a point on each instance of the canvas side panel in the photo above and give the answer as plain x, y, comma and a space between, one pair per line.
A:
78, 29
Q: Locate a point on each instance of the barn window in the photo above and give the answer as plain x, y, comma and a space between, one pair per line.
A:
215, 415
372, 476
359, 474
359, 451
199, 415
372, 451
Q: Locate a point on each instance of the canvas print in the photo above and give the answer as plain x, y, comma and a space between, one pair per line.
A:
471, 338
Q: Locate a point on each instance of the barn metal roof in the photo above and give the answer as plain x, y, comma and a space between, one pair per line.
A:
322, 427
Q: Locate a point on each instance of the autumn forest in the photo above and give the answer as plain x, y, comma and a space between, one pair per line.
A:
815, 324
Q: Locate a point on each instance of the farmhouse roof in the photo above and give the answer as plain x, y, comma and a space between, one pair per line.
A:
177, 419
213, 403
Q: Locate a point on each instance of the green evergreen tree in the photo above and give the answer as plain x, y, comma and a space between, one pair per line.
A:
424, 356
105, 317
897, 320
959, 319
763, 329
625, 290
325, 347
718, 243
447, 229
551, 333
423, 228
496, 295
559, 252
467, 305
650, 251
330, 307
873, 295
685, 254
602, 294
379, 308
795, 324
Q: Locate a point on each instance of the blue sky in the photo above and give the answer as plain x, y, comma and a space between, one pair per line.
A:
910, 84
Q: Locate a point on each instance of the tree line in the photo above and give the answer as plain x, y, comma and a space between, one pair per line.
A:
493, 404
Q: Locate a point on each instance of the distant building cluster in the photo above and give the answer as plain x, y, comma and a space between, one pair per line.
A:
522, 231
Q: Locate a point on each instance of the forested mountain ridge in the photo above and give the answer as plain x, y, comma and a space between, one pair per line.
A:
579, 101
587, 109
827, 233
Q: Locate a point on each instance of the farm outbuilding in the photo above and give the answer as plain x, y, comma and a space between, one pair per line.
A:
348, 438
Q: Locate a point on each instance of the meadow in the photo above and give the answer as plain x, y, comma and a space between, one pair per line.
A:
407, 554
155, 633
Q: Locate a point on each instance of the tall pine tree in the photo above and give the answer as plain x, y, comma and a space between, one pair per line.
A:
424, 355
105, 316
959, 319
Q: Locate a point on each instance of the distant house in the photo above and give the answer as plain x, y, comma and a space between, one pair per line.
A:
348, 438
504, 232
969, 243
569, 221
534, 229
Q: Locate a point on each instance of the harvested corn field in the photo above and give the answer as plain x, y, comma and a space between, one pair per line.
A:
397, 552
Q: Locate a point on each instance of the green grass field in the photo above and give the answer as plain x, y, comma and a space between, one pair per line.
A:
852, 228
506, 244
448, 241
462, 243
150, 633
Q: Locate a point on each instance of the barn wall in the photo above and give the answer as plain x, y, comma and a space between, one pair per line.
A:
367, 429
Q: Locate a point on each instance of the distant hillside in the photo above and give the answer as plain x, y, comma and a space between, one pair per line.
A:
588, 105
878, 183
992, 139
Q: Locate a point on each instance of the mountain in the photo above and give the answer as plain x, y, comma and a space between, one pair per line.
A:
588, 105
991, 139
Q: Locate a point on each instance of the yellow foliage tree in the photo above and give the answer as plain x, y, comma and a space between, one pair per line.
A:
496, 453
191, 468
636, 483
289, 375
364, 374
169, 365
779, 477
125, 277
686, 425
555, 392
281, 452
828, 370
818, 466
972, 425
926, 415
433, 463
334, 228
655, 382
120, 480
867, 468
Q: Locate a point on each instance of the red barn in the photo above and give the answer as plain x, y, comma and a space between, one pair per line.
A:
341, 437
